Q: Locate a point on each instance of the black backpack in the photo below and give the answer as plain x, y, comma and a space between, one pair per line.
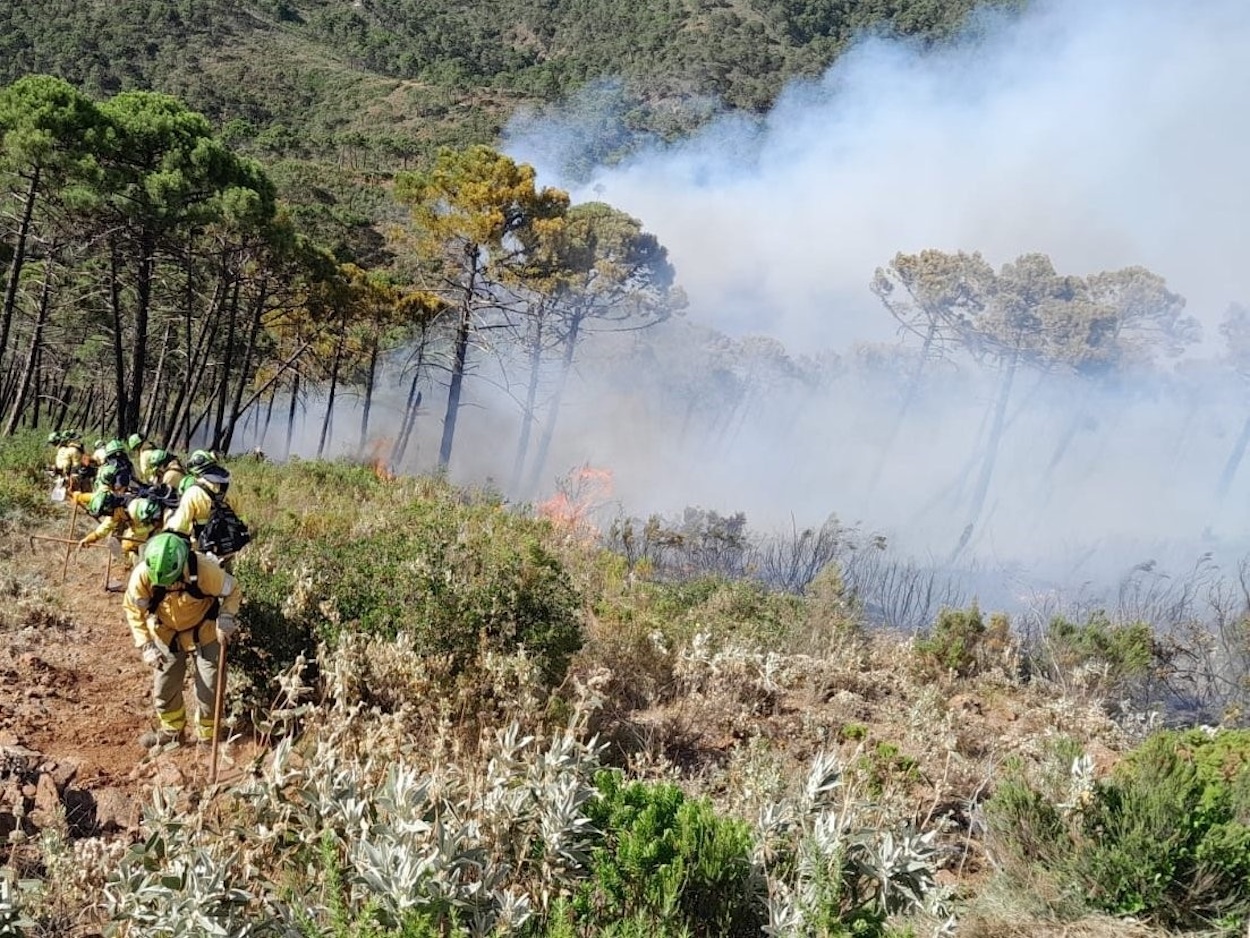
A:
224, 533
165, 495
125, 469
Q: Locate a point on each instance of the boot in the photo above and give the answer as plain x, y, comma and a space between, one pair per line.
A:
155, 740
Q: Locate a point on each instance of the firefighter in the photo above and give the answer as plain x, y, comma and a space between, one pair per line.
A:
141, 453
133, 525
210, 482
68, 461
166, 469
179, 605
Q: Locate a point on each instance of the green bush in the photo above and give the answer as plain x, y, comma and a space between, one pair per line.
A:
1166, 837
1127, 651
955, 641
24, 486
338, 551
668, 864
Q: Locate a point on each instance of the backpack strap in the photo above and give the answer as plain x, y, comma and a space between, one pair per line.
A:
193, 588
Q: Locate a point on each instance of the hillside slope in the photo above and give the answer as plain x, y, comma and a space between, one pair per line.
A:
301, 76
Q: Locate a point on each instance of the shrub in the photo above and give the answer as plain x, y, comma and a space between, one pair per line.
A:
1106, 657
1166, 837
960, 642
668, 862
338, 551
1169, 834
24, 487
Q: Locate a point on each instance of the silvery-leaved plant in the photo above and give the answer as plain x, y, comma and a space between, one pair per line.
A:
180, 883
824, 855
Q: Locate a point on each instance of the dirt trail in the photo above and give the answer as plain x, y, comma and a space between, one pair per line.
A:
72, 685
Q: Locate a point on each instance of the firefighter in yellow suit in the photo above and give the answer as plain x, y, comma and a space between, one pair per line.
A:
179, 605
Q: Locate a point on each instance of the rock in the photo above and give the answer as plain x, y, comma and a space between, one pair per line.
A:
115, 811
18, 760
64, 773
47, 795
170, 776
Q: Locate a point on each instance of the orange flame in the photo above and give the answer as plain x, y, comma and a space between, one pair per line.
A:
577, 496
376, 459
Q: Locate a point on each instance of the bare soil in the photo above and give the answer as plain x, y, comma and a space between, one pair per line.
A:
74, 694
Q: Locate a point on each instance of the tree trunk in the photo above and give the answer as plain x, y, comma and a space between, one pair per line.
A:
463, 330
119, 358
370, 379
19, 258
531, 399
264, 430
991, 453
411, 406
198, 364
549, 428
1234, 460
145, 275
32, 356
236, 409
334, 385
909, 400
290, 421
158, 386
223, 389
34, 410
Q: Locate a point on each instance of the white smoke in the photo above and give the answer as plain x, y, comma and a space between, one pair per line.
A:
1102, 132
1105, 133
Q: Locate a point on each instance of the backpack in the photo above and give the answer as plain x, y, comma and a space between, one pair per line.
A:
193, 589
224, 533
125, 469
165, 495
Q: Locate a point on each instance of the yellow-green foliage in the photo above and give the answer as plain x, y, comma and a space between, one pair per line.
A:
668, 860
24, 487
1126, 652
960, 639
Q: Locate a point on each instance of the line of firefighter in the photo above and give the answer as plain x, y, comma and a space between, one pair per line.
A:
179, 603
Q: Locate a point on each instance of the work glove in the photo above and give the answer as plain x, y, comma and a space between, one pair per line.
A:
227, 625
154, 656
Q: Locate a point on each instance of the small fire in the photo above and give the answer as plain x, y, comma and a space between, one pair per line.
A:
578, 495
375, 458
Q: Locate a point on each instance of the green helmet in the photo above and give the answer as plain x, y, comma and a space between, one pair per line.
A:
107, 476
136, 439
144, 510
200, 460
54, 438
186, 483
113, 447
160, 457
101, 502
98, 444
166, 556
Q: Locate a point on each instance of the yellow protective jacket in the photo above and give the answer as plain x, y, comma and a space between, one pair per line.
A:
68, 458
182, 617
172, 476
110, 524
136, 532
193, 510
143, 462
